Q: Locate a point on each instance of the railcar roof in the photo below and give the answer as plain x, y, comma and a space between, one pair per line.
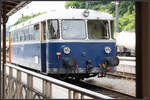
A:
66, 14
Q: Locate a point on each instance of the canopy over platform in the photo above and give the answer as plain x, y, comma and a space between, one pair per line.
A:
12, 6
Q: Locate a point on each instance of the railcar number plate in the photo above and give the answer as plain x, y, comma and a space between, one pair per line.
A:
36, 59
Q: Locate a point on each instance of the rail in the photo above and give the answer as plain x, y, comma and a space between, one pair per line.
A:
127, 58
20, 84
126, 65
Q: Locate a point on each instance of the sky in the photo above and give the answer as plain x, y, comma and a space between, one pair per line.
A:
35, 7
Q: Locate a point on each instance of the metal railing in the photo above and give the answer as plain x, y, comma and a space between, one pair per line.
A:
24, 84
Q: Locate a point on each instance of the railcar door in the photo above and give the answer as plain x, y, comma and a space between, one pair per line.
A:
10, 47
52, 45
43, 46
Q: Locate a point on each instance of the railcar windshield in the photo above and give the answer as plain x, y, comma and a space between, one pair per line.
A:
112, 29
73, 29
98, 29
53, 29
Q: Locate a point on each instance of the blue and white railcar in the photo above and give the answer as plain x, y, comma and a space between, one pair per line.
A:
70, 42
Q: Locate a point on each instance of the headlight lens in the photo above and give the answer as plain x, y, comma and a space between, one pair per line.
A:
86, 13
107, 50
67, 50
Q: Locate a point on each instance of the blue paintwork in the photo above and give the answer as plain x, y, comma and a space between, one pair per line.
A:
93, 51
25, 53
43, 57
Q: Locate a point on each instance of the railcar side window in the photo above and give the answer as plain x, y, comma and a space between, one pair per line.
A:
37, 32
26, 34
53, 29
18, 35
12, 36
22, 34
21, 38
73, 29
31, 33
16, 39
98, 29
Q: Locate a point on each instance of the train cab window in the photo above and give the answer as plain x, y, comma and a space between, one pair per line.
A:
98, 29
73, 29
53, 29
37, 32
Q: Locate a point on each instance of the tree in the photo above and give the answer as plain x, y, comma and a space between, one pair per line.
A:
126, 11
25, 18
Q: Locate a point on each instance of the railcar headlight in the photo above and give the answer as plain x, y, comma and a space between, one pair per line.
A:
107, 50
67, 50
86, 13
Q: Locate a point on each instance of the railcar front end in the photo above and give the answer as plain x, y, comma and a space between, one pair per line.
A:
84, 48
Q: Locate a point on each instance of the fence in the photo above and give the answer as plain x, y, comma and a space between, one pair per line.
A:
24, 84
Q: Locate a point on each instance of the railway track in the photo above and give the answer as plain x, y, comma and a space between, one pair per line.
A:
121, 75
100, 89
127, 71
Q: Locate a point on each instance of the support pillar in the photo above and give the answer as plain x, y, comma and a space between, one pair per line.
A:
142, 49
0, 50
4, 46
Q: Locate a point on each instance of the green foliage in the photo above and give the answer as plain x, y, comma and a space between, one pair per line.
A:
25, 18
127, 22
7, 39
126, 11
76, 4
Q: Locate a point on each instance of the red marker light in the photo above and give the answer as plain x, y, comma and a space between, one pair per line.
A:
58, 54
108, 69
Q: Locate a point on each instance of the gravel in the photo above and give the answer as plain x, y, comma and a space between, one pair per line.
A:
121, 85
